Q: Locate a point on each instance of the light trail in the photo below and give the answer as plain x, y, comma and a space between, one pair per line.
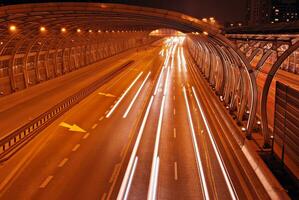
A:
153, 177
228, 181
135, 96
123, 95
124, 184
131, 178
196, 150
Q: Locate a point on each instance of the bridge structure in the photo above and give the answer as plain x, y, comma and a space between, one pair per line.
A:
56, 58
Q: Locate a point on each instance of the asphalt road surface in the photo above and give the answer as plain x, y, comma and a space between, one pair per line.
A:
142, 135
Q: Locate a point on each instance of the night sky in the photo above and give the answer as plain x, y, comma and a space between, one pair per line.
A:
223, 10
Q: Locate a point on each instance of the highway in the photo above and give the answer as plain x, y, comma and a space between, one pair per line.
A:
145, 134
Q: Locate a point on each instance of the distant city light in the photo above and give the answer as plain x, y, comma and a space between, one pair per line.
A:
90, 31
205, 33
12, 28
42, 29
63, 30
78, 30
205, 19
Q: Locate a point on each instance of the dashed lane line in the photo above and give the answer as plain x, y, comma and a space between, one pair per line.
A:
175, 171
86, 135
63, 162
94, 126
76, 147
46, 182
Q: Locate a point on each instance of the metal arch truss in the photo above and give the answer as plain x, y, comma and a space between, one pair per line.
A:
91, 31
226, 71
278, 46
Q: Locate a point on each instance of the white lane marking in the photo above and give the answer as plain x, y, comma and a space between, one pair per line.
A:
94, 126
153, 178
104, 196
63, 162
135, 96
76, 147
174, 111
123, 95
101, 118
174, 132
175, 171
225, 173
46, 182
174, 98
86, 135
131, 178
196, 150
133, 154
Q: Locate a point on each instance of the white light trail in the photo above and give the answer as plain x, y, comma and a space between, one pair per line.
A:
135, 96
183, 60
131, 178
228, 181
125, 181
153, 178
179, 59
196, 150
123, 95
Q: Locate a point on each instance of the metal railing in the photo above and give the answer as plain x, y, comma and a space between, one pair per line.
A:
13, 141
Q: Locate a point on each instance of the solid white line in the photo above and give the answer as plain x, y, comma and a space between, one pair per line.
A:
131, 178
86, 135
175, 171
196, 150
63, 162
76, 147
155, 154
123, 95
136, 95
228, 181
133, 154
94, 126
46, 182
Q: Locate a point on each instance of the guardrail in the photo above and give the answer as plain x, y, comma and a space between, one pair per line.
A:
13, 141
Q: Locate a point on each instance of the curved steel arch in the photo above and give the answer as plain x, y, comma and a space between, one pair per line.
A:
264, 96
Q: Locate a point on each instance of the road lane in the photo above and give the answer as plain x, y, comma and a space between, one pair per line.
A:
73, 174
155, 143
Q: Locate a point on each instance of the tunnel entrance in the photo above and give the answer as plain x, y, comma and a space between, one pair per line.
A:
164, 32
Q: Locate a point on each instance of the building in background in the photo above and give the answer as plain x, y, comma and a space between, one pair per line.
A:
284, 11
271, 11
